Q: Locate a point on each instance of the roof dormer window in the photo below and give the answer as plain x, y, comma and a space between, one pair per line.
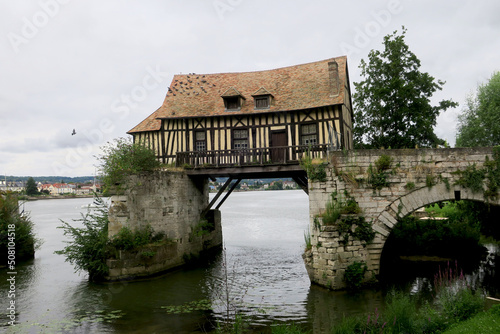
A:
232, 103
262, 98
233, 100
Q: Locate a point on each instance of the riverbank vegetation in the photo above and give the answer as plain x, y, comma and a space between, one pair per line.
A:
457, 308
16, 231
90, 247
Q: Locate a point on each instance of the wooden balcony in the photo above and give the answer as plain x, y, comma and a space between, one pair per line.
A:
263, 156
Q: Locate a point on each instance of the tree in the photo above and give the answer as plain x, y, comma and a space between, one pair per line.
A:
31, 188
479, 122
392, 103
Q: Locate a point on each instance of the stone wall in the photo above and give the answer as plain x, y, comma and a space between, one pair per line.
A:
170, 202
416, 177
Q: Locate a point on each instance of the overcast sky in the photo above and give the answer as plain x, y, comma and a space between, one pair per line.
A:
101, 67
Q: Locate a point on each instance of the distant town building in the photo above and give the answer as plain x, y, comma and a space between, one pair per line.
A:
16, 186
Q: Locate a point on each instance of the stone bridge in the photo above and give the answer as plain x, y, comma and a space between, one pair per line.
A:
414, 178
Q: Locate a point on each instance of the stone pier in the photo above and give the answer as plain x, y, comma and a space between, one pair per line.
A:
169, 202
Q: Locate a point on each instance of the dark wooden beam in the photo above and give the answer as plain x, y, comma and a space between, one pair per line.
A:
302, 182
221, 190
228, 193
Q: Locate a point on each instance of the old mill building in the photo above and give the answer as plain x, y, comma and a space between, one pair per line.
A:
261, 117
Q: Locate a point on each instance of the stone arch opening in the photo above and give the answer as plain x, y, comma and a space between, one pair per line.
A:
409, 203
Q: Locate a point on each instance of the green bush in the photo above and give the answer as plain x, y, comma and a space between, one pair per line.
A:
316, 170
354, 275
377, 179
23, 236
204, 227
384, 162
337, 205
123, 158
126, 239
89, 248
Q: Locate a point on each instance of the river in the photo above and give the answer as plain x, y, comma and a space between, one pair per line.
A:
261, 274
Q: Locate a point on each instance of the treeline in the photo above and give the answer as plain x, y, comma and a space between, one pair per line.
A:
49, 179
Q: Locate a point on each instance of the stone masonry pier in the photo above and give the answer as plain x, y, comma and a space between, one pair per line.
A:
415, 178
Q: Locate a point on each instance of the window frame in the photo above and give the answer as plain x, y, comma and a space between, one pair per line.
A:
241, 139
199, 141
308, 134
228, 101
266, 98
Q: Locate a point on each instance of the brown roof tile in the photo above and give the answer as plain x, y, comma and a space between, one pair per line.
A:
293, 88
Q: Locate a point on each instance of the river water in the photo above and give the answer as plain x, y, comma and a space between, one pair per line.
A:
260, 273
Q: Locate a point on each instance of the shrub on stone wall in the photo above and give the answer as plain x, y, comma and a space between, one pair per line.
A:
122, 158
354, 275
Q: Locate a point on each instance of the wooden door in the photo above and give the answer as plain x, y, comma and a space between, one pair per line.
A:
279, 139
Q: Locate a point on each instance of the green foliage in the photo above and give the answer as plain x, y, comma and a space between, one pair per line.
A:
430, 181
23, 235
31, 189
403, 314
307, 239
484, 323
452, 238
89, 248
122, 158
377, 179
354, 275
472, 178
457, 300
339, 205
410, 186
384, 162
393, 103
287, 329
478, 123
401, 310
126, 239
472, 213
204, 227
363, 231
316, 170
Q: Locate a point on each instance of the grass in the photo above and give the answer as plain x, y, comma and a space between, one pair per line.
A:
484, 323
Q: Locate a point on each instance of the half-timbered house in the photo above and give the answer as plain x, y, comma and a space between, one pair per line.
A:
261, 117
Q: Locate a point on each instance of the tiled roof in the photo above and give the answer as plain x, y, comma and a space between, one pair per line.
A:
292, 88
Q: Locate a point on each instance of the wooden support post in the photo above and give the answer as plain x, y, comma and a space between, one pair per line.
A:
228, 193
302, 182
204, 212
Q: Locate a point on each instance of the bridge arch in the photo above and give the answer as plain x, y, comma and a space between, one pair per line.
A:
432, 173
409, 203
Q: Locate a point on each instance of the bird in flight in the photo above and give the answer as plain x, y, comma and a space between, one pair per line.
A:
73, 133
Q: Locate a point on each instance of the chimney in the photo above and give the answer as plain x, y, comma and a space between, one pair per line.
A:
333, 72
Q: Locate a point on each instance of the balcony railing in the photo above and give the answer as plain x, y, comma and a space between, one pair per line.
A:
250, 157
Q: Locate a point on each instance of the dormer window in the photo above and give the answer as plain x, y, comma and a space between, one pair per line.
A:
262, 102
262, 98
232, 103
233, 100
